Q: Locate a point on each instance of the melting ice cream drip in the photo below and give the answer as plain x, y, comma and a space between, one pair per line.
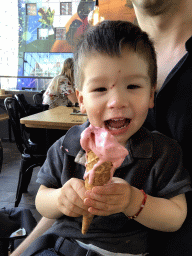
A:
105, 146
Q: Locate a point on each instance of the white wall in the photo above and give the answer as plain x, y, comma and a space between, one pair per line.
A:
8, 42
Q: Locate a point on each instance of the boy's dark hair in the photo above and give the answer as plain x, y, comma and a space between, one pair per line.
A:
109, 37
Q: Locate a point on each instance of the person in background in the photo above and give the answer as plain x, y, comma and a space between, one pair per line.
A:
61, 90
169, 24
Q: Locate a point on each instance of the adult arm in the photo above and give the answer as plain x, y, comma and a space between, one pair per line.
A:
43, 225
72, 97
49, 95
67, 89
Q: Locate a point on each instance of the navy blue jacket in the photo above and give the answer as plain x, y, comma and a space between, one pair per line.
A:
172, 114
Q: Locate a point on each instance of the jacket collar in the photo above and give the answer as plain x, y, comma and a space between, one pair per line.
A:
140, 145
71, 142
188, 44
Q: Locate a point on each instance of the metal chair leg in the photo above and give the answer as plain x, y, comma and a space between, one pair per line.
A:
1, 155
25, 174
9, 129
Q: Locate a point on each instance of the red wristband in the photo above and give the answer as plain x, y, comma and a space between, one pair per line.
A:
142, 206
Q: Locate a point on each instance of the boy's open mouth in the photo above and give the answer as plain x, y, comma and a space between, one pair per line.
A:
115, 124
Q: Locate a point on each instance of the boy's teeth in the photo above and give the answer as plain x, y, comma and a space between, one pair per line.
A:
113, 128
114, 124
118, 119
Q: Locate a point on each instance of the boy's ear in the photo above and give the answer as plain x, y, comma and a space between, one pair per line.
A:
79, 96
152, 96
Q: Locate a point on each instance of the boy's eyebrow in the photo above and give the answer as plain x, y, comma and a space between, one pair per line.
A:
136, 76
97, 79
100, 79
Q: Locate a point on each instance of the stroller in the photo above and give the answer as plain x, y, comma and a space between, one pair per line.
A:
15, 225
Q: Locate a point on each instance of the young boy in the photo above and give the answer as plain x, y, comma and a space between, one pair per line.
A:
115, 75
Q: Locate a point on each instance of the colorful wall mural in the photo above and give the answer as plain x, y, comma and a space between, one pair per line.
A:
48, 30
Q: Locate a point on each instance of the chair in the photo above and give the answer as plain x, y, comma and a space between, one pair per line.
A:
32, 155
38, 98
37, 136
23, 104
27, 108
1, 155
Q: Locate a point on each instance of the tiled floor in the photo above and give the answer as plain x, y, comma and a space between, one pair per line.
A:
9, 179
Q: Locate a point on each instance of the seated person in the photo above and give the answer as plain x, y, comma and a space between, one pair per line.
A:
115, 67
61, 89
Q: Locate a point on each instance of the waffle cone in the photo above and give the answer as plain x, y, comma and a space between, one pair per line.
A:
101, 177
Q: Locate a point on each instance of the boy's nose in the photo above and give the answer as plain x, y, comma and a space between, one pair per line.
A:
117, 100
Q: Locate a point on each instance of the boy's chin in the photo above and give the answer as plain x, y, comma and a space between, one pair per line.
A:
123, 143
122, 139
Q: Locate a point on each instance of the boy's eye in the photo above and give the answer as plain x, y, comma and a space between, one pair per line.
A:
133, 86
100, 89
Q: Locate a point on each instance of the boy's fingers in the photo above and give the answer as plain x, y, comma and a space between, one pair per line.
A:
74, 211
102, 209
107, 199
96, 205
105, 190
111, 189
98, 197
79, 187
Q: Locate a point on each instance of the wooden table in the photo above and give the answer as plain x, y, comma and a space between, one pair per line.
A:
4, 96
56, 118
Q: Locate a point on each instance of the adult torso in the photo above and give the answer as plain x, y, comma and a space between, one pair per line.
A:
172, 114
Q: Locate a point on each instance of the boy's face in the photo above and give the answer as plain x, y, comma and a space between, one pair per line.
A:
116, 93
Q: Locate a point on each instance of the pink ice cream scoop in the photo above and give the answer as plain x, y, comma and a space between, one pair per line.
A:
105, 146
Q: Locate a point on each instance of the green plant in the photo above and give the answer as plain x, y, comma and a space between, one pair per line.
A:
47, 16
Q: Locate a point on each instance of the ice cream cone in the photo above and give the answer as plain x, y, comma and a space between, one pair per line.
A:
104, 155
102, 175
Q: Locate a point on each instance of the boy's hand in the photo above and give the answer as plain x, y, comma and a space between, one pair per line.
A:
108, 199
70, 200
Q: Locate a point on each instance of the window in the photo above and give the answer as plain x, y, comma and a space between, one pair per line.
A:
44, 64
28, 58
40, 64
31, 9
60, 33
66, 8
42, 33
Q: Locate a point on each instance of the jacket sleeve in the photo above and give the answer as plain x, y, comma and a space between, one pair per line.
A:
171, 178
50, 173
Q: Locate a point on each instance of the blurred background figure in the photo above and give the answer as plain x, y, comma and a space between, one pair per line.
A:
61, 91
